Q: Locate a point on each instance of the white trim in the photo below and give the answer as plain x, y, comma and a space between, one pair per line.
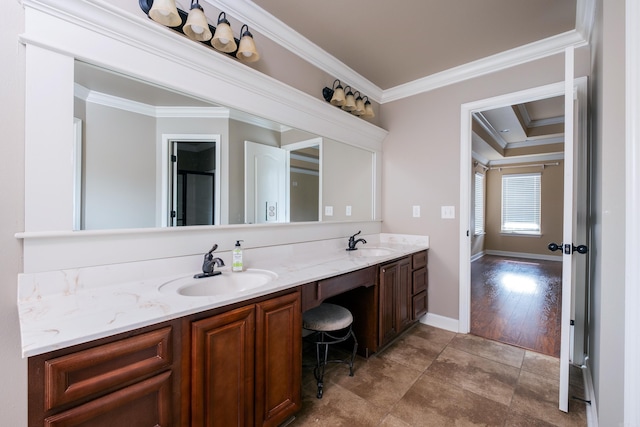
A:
466, 111
550, 157
296, 146
510, 58
163, 189
77, 173
271, 27
524, 255
632, 226
274, 29
76, 28
477, 256
589, 394
442, 322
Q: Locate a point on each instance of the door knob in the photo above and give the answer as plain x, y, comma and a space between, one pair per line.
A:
555, 247
581, 249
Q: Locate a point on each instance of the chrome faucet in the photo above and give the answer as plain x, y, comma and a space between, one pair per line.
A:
209, 264
353, 242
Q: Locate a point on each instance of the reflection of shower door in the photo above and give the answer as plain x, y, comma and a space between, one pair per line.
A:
195, 198
192, 183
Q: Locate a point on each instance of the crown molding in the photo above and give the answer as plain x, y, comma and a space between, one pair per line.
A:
269, 26
510, 58
100, 33
528, 123
550, 157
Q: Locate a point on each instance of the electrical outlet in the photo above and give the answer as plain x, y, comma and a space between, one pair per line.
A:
348, 211
447, 212
416, 211
328, 210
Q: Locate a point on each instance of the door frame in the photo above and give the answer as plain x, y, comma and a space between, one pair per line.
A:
297, 146
466, 111
163, 181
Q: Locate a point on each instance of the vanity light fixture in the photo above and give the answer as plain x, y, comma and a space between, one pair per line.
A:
195, 26
164, 12
350, 102
247, 50
359, 110
335, 95
355, 103
223, 39
368, 109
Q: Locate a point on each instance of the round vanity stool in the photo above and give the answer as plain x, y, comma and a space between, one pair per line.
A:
329, 324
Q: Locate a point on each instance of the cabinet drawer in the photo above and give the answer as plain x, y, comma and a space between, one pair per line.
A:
314, 293
420, 303
146, 403
106, 367
419, 260
420, 280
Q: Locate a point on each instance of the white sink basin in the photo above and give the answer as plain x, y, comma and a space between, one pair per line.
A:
223, 284
371, 252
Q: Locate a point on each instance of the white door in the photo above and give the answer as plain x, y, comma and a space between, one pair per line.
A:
265, 183
574, 230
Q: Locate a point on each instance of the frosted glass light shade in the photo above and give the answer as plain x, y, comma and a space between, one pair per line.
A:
368, 110
247, 51
197, 27
223, 38
165, 13
359, 110
350, 102
338, 98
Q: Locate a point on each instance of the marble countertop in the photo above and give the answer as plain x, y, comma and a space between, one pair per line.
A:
73, 310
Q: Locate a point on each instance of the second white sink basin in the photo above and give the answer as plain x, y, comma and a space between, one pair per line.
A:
223, 284
371, 252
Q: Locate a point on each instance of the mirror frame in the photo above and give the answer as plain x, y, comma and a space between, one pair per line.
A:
140, 48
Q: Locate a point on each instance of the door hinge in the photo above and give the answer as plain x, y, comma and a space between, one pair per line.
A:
173, 214
174, 158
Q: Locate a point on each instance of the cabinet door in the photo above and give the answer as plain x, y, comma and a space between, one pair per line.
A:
222, 369
404, 295
278, 359
387, 319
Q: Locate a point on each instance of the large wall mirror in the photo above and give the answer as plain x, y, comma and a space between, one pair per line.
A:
147, 156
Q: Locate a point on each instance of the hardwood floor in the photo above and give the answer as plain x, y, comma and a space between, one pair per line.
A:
517, 301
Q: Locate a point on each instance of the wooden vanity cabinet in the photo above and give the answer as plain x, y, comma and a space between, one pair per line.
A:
402, 293
420, 280
246, 364
395, 303
128, 380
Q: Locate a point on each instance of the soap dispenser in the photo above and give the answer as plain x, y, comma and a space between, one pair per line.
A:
236, 264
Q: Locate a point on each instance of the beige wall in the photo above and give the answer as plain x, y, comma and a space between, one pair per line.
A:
13, 369
606, 329
421, 164
551, 204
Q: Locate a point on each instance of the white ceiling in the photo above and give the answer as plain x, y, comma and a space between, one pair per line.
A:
392, 43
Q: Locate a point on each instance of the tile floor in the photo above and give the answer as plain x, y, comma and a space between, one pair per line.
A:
433, 377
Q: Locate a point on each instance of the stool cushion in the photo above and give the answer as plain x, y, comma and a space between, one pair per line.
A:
327, 317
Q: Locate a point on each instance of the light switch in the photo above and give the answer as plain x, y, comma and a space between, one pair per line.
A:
416, 211
328, 210
448, 212
348, 211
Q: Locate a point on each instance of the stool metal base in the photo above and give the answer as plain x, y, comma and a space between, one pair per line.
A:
322, 340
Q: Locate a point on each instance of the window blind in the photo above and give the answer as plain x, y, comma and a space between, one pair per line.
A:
521, 203
478, 209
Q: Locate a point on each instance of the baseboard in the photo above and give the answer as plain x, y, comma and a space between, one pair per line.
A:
590, 395
524, 255
477, 256
441, 322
